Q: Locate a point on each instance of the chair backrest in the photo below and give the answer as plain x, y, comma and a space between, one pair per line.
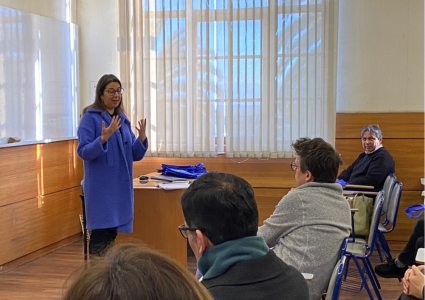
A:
388, 187
393, 203
343, 247
334, 286
374, 221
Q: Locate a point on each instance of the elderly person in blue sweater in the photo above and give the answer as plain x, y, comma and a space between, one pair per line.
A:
309, 224
108, 148
373, 165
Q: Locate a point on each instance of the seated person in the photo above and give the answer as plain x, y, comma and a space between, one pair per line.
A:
413, 284
310, 223
373, 166
133, 271
397, 267
221, 223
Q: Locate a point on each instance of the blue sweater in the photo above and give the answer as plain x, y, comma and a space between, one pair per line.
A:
108, 171
370, 169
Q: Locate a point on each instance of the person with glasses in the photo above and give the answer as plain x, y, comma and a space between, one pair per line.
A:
221, 223
309, 224
373, 165
108, 148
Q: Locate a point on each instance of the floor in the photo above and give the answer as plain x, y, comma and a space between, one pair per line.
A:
46, 277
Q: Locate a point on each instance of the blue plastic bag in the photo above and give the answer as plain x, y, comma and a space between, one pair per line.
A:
341, 182
183, 171
416, 208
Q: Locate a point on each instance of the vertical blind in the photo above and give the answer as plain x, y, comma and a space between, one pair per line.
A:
244, 78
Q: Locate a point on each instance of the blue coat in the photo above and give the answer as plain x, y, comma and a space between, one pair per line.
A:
108, 171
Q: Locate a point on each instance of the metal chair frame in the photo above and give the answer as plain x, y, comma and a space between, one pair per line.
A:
354, 249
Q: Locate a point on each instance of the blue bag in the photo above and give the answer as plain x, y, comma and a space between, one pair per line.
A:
416, 208
341, 182
183, 171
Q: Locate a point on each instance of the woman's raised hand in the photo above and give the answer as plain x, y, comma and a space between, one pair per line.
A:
142, 129
108, 131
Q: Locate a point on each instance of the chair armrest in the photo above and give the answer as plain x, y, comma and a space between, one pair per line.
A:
346, 193
308, 276
358, 186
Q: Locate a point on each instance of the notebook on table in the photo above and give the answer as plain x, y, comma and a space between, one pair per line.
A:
168, 178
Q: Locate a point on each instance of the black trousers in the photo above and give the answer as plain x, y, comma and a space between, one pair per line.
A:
416, 241
100, 239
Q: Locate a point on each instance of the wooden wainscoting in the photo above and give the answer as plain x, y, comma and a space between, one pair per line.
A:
404, 138
40, 184
272, 178
39, 197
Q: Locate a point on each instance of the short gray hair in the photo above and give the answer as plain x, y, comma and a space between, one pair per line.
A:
373, 129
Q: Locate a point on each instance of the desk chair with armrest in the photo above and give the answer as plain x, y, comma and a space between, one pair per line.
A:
360, 251
387, 188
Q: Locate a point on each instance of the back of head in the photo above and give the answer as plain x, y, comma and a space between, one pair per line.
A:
132, 271
318, 157
373, 129
100, 88
222, 206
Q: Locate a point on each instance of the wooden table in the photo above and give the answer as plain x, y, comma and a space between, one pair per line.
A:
157, 215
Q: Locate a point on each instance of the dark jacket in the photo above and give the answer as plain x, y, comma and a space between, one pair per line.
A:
266, 277
370, 169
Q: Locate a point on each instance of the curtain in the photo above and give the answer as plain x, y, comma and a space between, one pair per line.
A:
244, 78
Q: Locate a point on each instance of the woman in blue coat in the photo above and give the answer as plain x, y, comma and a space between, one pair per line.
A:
108, 148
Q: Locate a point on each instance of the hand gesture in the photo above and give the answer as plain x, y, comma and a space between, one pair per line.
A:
142, 129
108, 131
413, 281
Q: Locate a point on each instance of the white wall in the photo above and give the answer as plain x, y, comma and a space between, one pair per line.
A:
380, 56
97, 25
63, 10
97, 30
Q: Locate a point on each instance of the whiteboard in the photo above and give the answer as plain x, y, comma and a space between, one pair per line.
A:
38, 77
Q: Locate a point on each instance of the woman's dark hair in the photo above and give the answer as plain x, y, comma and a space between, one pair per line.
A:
133, 271
318, 157
100, 88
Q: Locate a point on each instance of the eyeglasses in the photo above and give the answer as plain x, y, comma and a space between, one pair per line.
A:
294, 166
183, 230
112, 91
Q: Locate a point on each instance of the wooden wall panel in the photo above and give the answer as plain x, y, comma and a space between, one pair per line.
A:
393, 125
409, 159
60, 166
404, 139
32, 224
267, 199
18, 174
262, 173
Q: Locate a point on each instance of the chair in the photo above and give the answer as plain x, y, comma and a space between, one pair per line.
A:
390, 218
85, 233
361, 250
334, 286
332, 292
388, 188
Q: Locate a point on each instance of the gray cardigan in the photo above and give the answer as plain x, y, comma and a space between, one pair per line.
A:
307, 229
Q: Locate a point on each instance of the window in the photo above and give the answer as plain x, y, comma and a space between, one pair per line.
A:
241, 77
